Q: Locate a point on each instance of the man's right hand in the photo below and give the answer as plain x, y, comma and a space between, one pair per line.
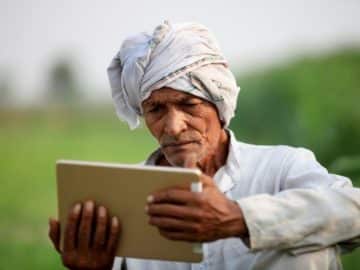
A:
90, 238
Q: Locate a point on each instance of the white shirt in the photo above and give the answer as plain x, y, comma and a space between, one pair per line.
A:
295, 210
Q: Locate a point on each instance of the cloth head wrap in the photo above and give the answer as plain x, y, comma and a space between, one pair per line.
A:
184, 57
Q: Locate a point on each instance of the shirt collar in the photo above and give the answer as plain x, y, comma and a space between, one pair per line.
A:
224, 177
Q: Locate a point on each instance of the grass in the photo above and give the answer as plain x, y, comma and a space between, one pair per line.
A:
30, 143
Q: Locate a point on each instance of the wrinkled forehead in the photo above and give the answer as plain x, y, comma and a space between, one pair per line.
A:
168, 95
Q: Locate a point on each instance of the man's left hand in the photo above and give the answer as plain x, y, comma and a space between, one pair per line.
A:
180, 214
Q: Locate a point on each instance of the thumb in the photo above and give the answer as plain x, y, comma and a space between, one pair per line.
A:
190, 161
207, 180
54, 233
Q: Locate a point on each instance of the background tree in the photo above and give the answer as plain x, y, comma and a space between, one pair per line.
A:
5, 89
63, 87
311, 103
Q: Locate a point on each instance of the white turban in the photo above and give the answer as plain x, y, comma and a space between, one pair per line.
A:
184, 57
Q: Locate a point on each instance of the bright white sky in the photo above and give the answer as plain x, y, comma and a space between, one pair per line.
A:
36, 32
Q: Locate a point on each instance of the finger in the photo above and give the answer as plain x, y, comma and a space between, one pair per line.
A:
54, 233
183, 186
175, 196
114, 235
71, 228
177, 211
172, 224
206, 180
180, 236
101, 228
84, 234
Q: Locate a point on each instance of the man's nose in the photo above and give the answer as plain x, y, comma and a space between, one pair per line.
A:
174, 122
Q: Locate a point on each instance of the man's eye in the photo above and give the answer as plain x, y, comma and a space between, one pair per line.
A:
155, 109
191, 104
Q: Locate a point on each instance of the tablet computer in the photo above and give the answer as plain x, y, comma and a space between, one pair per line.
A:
123, 189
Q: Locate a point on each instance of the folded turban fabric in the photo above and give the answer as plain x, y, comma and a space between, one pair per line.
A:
184, 57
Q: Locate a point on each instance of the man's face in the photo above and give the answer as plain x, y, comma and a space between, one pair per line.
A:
187, 127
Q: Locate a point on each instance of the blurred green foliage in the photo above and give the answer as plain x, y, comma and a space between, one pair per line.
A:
309, 103
30, 143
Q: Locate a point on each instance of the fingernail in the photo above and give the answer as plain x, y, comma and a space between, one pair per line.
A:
101, 211
150, 199
89, 205
77, 208
115, 221
146, 208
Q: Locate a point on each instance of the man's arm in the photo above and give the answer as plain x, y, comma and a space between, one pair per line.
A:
314, 210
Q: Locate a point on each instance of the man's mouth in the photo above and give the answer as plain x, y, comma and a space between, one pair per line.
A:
177, 144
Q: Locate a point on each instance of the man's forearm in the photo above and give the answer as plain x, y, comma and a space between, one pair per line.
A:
302, 219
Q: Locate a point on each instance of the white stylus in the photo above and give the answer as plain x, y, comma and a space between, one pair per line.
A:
197, 187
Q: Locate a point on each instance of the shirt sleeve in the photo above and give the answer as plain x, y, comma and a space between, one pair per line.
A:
313, 210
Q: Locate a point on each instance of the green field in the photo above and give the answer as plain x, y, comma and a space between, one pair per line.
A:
30, 143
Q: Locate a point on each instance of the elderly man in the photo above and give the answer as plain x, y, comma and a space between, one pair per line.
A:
262, 207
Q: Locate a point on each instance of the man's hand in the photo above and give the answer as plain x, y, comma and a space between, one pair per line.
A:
183, 215
90, 238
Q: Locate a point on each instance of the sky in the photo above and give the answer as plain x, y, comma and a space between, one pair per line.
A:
252, 34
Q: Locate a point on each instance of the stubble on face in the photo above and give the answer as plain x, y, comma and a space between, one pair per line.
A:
194, 137
185, 150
